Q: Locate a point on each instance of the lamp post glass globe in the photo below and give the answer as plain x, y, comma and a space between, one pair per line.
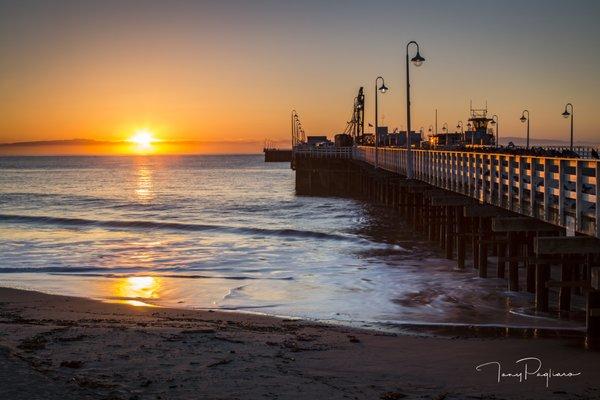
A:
523, 119
383, 88
417, 60
566, 114
493, 122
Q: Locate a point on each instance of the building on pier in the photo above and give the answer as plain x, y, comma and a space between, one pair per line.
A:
478, 133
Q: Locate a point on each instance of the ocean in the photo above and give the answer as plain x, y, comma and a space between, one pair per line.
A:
229, 233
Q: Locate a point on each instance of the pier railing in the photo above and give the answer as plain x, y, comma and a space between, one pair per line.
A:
561, 191
324, 152
581, 151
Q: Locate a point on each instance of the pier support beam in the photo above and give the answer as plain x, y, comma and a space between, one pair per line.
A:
564, 296
452, 207
450, 235
475, 212
570, 246
521, 231
593, 314
475, 241
542, 275
484, 236
513, 264
431, 220
460, 239
501, 263
529, 264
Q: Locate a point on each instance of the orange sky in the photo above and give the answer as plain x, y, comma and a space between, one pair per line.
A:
230, 72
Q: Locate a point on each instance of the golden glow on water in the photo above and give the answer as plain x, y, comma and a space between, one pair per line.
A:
144, 190
137, 290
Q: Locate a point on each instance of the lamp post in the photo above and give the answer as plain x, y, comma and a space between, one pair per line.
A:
445, 127
381, 89
566, 114
417, 60
495, 122
526, 119
462, 130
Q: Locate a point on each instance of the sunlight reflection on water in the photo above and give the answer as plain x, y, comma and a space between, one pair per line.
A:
137, 290
144, 190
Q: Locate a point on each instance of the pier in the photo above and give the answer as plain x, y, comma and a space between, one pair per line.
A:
533, 221
277, 155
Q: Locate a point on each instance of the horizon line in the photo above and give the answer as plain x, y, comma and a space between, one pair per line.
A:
53, 142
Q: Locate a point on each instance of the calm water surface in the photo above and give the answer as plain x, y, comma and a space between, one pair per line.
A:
228, 232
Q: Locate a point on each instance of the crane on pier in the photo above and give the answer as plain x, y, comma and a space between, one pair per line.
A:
356, 126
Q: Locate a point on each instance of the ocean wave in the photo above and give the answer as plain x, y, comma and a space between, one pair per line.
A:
77, 200
131, 272
176, 226
20, 270
181, 276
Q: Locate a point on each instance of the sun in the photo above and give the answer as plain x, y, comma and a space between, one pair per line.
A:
143, 139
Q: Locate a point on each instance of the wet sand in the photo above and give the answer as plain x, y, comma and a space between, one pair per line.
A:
55, 347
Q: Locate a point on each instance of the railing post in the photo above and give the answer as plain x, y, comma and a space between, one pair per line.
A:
562, 166
477, 172
579, 195
484, 183
597, 186
547, 189
447, 171
521, 184
511, 180
533, 187
469, 175
500, 170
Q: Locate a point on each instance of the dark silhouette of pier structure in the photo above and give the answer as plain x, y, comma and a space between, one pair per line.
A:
275, 154
531, 220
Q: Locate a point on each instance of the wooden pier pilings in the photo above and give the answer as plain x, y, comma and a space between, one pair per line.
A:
532, 255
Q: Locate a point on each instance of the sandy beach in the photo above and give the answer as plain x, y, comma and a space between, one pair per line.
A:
55, 347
